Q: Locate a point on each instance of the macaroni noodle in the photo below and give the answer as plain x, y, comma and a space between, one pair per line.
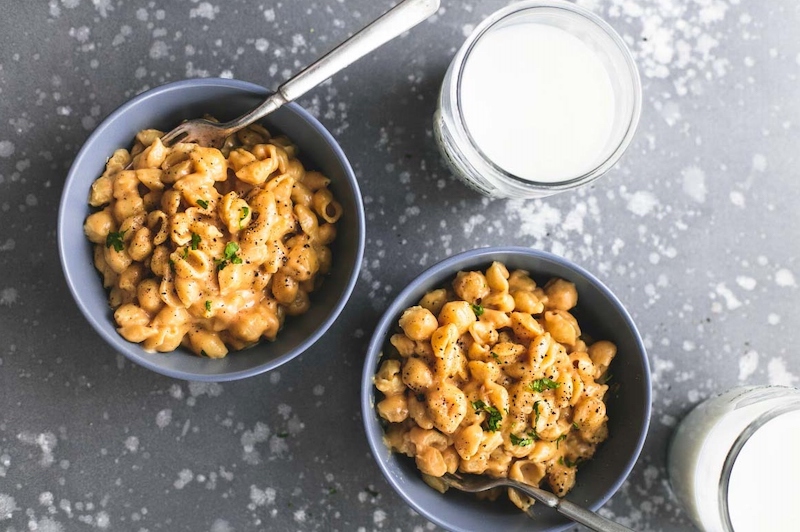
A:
208, 248
493, 377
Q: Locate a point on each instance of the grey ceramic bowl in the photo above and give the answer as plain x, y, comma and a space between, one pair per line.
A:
602, 316
163, 108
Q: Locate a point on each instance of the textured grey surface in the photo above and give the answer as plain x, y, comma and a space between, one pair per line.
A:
696, 231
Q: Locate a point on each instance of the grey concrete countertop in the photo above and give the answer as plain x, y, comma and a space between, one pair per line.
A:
697, 231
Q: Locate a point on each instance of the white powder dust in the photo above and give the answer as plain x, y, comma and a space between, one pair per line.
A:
748, 364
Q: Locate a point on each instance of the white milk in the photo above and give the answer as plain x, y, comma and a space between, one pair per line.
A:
762, 491
538, 102
762, 486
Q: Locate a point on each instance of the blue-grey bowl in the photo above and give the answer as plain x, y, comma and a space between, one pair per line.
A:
600, 315
163, 108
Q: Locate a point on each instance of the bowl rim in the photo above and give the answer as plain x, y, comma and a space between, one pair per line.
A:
369, 417
133, 351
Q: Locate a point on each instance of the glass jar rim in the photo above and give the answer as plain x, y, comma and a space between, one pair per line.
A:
572, 10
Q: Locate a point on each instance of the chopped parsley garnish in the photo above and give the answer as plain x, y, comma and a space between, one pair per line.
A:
492, 424
195, 240
560, 439
516, 440
208, 305
495, 417
283, 435
114, 239
202, 203
202, 352
540, 385
478, 405
229, 256
575, 425
477, 309
495, 356
243, 215
331, 491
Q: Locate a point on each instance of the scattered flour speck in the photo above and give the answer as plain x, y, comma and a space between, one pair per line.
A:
8, 296
7, 506
220, 525
784, 277
184, 477
737, 198
748, 364
747, 283
759, 162
6, 148
204, 10
694, 183
731, 301
164, 418
132, 444
778, 373
642, 203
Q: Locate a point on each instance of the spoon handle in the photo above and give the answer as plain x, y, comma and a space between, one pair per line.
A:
573, 511
402, 17
588, 518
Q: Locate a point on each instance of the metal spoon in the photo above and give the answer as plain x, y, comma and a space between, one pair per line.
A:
402, 17
475, 483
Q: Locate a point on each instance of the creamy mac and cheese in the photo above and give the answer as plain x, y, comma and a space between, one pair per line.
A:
210, 248
492, 376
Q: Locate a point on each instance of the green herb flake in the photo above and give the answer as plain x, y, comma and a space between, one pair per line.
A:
244, 212
208, 305
114, 239
331, 491
492, 424
229, 256
203, 353
477, 309
203, 203
540, 385
478, 405
283, 434
516, 440
605, 379
560, 439
495, 417
495, 356
195, 240
575, 425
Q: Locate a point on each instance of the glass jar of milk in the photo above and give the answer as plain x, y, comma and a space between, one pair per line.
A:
543, 97
734, 461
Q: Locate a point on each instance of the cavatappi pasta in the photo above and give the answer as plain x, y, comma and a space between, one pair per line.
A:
492, 376
209, 248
